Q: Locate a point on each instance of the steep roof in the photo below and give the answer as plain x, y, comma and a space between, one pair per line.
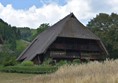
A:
67, 27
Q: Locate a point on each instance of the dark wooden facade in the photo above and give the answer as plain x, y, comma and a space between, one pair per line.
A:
74, 48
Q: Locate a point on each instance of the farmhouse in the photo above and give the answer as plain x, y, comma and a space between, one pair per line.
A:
67, 39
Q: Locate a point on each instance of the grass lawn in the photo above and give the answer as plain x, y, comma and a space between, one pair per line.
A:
14, 77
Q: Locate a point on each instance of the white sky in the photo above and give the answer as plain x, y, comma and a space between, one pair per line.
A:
52, 12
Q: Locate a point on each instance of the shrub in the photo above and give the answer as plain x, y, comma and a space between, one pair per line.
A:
47, 61
76, 61
27, 63
9, 62
29, 69
62, 62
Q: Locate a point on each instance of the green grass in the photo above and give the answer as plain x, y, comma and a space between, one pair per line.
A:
21, 45
14, 77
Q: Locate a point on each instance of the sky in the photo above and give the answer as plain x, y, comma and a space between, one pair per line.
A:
32, 13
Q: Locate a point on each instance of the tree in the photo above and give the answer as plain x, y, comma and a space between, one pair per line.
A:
106, 27
25, 33
42, 27
9, 34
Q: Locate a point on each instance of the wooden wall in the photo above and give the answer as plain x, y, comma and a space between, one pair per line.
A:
75, 48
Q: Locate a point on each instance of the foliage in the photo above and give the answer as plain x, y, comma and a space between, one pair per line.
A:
10, 61
76, 61
106, 27
27, 63
20, 46
25, 33
7, 56
47, 61
15, 40
62, 62
9, 34
40, 29
29, 69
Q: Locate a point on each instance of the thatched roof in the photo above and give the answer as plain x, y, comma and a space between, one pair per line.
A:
67, 27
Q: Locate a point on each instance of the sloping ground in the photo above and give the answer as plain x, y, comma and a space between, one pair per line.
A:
93, 72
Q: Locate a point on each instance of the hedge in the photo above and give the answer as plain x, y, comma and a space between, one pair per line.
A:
29, 69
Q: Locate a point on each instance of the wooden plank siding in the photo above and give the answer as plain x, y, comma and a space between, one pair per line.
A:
75, 48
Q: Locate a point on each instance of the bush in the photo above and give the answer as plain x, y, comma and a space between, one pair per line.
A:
62, 62
47, 61
29, 69
27, 63
76, 61
9, 62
